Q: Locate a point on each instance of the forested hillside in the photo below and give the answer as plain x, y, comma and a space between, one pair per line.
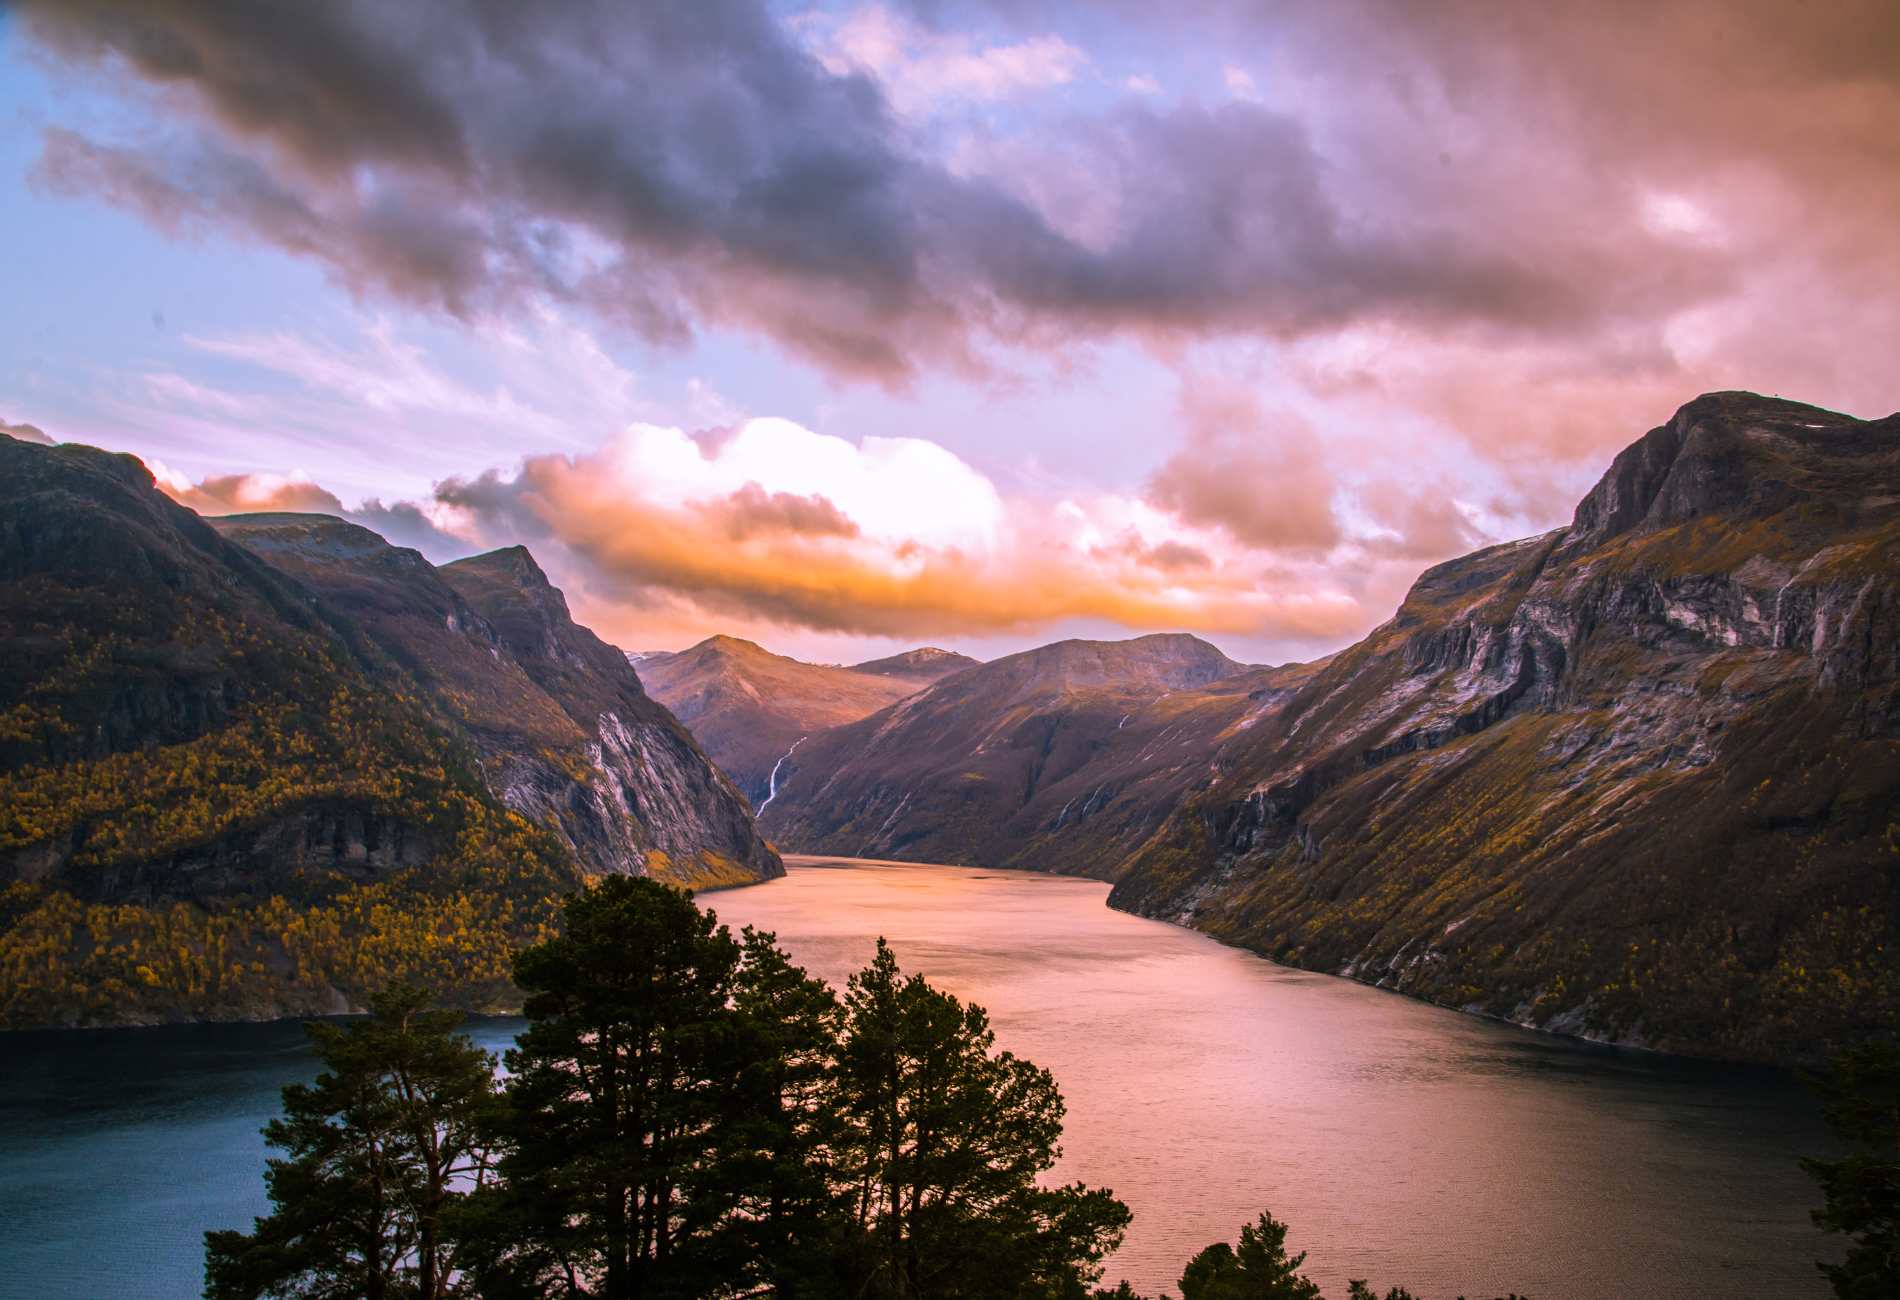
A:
224, 793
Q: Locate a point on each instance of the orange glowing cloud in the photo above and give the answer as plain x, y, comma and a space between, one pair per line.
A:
660, 536
886, 537
237, 494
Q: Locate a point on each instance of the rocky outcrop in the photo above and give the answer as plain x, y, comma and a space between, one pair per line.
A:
563, 732
652, 801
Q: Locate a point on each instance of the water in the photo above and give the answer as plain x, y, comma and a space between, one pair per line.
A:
1403, 1143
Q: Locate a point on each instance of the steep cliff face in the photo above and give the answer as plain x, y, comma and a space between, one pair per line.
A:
242, 780
563, 732
650, 800
1638, 778
1066, 757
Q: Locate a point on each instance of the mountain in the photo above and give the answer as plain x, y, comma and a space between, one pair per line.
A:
925, 664
747, 707
1636, 779
1066, 757
263, 766
565, 734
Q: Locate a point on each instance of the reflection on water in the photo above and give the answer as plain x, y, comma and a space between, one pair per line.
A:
1404, 1143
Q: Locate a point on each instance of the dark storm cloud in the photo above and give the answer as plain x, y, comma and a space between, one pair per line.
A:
404, 524
676, 166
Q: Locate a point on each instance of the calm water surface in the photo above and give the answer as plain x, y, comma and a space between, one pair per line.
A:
1403, 1143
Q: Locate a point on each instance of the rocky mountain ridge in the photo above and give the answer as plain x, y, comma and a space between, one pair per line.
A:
261, 767
565, 733
1637, 778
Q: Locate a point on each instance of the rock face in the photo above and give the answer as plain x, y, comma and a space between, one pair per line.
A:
265, 766
1638, 778
1066, 757
564, 732
747, 707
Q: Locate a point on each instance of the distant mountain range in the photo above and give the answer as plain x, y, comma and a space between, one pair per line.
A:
1637, 778
261, 764
748, 707
1003, 764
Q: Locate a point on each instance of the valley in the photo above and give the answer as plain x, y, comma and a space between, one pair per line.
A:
1637, 779
1634, 780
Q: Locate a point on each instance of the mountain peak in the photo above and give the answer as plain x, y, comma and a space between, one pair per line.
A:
720, 643
516, 563
1724, 452
927, 662
1157, 661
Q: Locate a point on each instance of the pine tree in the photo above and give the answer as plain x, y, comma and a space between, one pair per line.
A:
377, 1150
1862, 1189
949, 1139
781, 1142
1259, 1269
620, 1085
1358, 1290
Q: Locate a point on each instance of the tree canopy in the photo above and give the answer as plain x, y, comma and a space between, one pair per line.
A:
689, 1115
1861, 1093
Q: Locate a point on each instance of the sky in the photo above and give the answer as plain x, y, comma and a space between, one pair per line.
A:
848, 328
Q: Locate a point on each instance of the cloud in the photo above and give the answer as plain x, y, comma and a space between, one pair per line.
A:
25, 433
1261, 476
233, 494
390, 376
775, 525
1168, 556
1462, 261
1419, 523
919, 69
427, 526
676, 168
754, 512
424, 526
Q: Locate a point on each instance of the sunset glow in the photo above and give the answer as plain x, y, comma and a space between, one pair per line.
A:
978, 324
